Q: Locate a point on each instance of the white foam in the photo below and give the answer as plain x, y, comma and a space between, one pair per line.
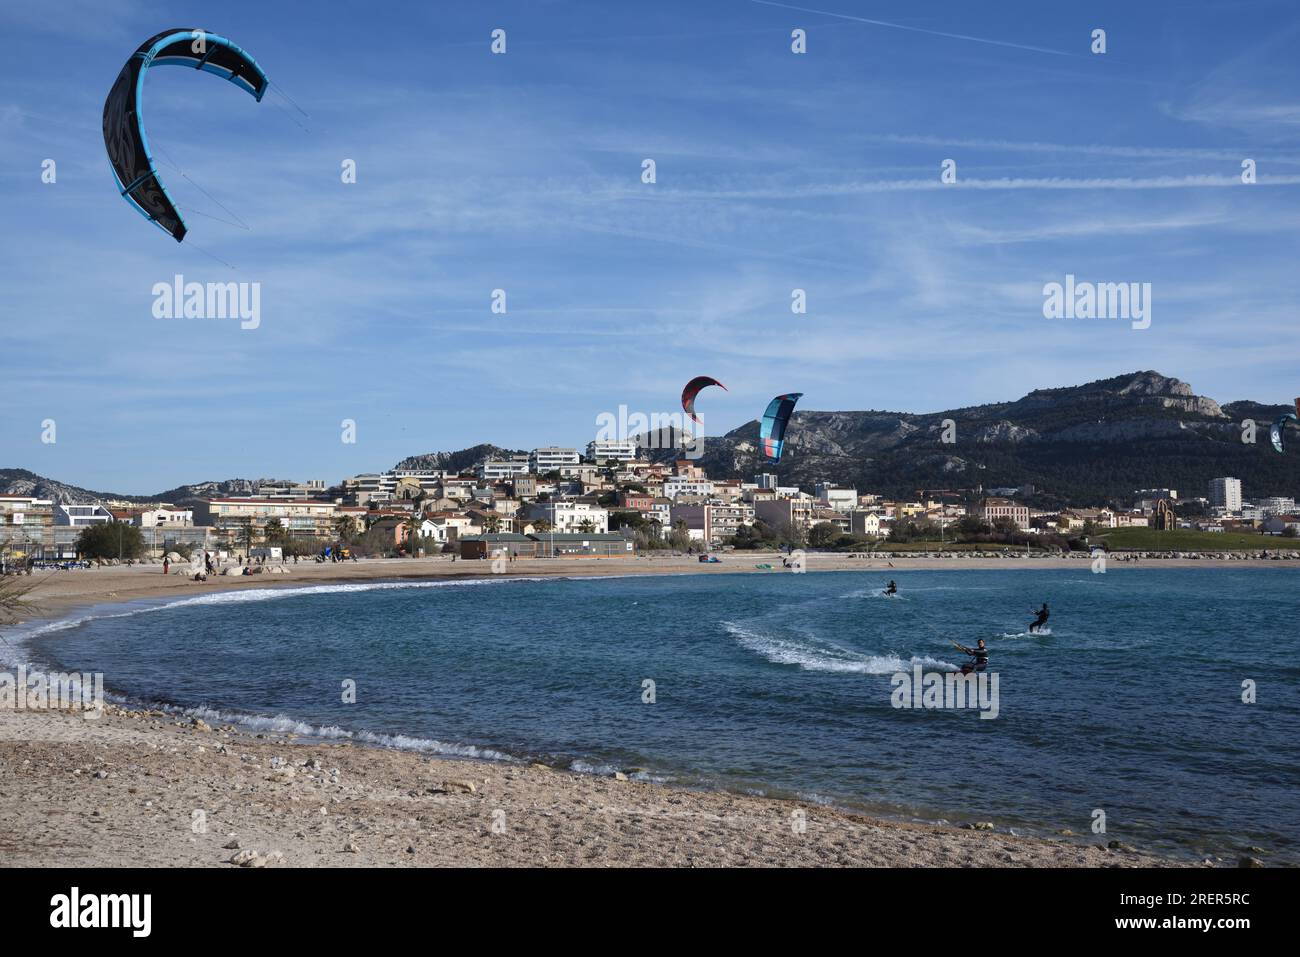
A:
785, 651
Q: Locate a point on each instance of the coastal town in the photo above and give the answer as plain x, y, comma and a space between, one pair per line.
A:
610, 500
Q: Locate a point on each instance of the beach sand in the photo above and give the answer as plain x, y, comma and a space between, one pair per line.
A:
130, 787
151, 789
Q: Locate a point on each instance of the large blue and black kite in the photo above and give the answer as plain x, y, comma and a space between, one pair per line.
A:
128, 147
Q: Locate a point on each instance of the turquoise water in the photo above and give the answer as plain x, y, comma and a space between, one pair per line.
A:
780, 684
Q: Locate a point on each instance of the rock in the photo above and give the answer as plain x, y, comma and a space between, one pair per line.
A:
978, 826
620, 776
231, 845
465, 787
101, 774
350, 848
200, 725
1250, 862
246, 858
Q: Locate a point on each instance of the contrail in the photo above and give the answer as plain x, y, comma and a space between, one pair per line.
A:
1004, 183
900, 26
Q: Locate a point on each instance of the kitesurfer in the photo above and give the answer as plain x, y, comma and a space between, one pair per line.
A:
892, 589
1040, 621
979, 657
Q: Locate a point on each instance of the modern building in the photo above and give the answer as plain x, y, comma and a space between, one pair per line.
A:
303, 519
1225, 493
840, 499
795, 513
714, 522
26, 524
601, 451
493, 470
552, 459
79, 516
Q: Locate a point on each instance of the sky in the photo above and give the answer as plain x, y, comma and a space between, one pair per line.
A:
522, 171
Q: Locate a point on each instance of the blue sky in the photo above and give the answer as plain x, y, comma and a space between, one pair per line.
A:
522, 171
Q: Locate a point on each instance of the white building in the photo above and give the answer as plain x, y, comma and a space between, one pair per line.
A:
840, 499
1225, 493
552, 459
80, 516
1276, 505
570, 516
491, 470
601, 451
165, 518
675, 485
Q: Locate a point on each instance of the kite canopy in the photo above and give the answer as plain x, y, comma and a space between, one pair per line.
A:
693, 389
1277, 428
771, 431
124, 138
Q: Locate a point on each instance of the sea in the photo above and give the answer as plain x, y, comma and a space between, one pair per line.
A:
1160, 704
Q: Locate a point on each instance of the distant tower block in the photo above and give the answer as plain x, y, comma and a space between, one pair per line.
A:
1165, 517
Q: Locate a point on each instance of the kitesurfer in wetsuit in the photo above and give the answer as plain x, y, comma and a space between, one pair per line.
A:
892, 589
1041, 620
979, 657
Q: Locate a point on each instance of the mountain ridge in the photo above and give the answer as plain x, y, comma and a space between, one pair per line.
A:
1083, 444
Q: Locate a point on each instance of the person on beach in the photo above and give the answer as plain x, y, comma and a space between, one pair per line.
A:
1041, 620
979, 657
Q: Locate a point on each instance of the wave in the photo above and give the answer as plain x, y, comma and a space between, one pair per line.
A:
283, 724
830, 658
24, 635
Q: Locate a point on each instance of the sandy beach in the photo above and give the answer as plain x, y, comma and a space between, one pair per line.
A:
152, 788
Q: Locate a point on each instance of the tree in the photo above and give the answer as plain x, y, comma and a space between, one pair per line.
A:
542, 526
681, 536
110, 540
823, 535
275, 533
492, 524
345, 527
247, 534
13, 599
587, 526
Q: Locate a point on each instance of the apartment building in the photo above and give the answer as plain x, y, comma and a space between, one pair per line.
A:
303, 518
991, 509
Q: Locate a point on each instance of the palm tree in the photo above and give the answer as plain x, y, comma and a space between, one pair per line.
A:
587, 526
274, 531
492, 523
345, 527
542, 526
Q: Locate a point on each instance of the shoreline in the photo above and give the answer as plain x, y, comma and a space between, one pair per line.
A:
58, 592
648, 821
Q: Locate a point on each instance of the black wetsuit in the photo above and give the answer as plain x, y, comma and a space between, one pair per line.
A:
1041, 620
980, 660
892, 589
